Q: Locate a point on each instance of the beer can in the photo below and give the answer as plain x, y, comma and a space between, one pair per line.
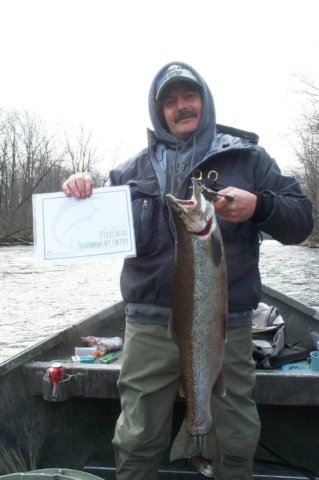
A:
54, 373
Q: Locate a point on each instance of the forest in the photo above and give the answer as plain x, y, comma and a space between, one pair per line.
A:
33, 161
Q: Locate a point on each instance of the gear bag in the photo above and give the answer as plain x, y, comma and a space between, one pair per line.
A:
268, 335
269, 347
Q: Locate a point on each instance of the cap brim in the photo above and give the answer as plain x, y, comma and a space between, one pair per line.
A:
172, 80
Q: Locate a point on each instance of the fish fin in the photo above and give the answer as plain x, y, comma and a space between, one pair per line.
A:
217, 250
186, 445
219, 388
182, 446
181, 390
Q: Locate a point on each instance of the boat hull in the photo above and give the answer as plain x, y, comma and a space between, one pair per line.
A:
76, 432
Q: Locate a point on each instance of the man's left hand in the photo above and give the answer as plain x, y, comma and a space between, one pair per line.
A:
238, 210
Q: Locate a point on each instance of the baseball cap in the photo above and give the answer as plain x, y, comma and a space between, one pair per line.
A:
172, 74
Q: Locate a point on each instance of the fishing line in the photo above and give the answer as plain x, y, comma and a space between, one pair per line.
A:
311, 474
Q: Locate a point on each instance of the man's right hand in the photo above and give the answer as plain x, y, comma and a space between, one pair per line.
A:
78, 185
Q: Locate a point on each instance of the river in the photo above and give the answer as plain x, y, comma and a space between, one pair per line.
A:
39, 300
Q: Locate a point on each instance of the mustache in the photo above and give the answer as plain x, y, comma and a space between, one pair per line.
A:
185, 113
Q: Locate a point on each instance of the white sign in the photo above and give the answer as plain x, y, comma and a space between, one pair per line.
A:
67, 229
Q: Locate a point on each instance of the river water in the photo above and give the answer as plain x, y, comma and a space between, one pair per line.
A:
39, 300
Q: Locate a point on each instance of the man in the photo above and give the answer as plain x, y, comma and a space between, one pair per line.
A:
185, 141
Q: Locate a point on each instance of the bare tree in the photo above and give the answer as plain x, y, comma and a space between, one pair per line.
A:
307, 150
80, 153
31, 163
309, 89
103, 179
27, 155
81, 156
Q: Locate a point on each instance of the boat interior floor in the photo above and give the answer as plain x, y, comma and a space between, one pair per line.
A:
186, 471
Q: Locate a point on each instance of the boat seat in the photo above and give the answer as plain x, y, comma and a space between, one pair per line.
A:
297, 386
273, 387
81, 380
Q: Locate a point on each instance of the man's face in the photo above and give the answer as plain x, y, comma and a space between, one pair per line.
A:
182, 105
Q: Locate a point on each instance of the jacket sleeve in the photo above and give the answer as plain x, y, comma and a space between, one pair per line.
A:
290, 219
118, 175
124, 172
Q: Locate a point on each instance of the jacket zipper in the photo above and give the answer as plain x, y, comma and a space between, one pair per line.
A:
144, 213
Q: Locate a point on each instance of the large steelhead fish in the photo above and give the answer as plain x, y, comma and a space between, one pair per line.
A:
199, 321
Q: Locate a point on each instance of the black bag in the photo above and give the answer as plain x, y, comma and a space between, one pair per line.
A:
289, 354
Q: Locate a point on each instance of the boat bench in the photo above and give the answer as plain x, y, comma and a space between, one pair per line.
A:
273, 387
81, 380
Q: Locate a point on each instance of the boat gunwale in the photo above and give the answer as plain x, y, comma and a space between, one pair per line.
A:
291, 302
57, 338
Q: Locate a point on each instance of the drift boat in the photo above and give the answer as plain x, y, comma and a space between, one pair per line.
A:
72, 427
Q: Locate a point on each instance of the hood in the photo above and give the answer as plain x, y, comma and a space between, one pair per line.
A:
204, 134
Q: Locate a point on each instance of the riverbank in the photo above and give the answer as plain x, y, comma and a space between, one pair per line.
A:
309, 244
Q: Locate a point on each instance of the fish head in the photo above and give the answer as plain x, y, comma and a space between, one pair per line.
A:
195, 215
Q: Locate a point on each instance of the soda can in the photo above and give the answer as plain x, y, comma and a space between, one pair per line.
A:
54, 374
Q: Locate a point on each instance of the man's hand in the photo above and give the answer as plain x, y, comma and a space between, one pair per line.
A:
78, 185
240, 209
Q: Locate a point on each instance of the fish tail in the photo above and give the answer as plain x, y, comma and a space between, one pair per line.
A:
186, 445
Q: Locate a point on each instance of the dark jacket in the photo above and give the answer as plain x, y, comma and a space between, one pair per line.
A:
285, 212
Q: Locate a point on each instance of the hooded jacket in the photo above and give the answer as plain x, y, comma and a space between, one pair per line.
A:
223, 159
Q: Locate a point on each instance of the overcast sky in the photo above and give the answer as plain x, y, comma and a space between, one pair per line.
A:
91, 62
